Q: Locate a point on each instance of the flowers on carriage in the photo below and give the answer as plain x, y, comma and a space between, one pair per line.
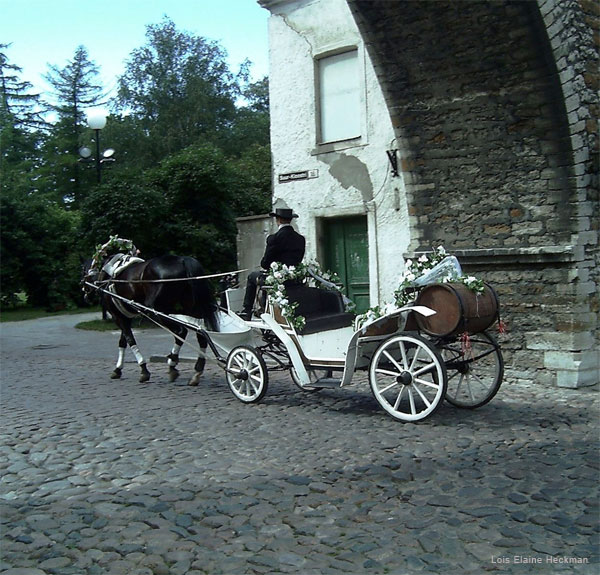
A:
363, 320
435, 267
277, 275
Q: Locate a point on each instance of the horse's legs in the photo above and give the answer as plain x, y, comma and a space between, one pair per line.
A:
126, 339
116, 374
173, 360
201, 361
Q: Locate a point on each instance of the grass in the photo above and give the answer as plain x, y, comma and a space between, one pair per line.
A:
22, 313
109, 325
97, 325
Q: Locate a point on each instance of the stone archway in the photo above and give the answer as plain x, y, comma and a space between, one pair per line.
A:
495, 109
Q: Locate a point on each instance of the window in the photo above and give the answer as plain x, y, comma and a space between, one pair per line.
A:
340, 116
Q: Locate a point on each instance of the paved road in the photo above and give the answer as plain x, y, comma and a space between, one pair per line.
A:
103, 476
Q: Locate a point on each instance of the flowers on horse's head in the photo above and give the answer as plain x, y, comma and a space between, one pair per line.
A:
115, 244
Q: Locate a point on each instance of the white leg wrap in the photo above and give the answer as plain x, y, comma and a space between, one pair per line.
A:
120, 358
174, 351
138, 355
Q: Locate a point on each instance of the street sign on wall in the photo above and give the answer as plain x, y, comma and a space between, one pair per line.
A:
295, 176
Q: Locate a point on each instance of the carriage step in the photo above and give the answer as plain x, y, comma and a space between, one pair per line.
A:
165, 359
326, 382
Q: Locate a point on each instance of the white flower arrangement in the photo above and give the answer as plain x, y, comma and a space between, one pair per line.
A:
414, 271
114, 244
374, 313
412, 278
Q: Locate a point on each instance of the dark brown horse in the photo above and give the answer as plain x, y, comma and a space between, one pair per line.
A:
160, 284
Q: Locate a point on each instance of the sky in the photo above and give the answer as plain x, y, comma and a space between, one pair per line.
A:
44, 32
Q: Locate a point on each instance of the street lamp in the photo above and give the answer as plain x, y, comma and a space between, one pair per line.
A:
96, 120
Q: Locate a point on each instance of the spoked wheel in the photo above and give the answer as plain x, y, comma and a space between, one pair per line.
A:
314, 375
475, 371
247, 374
408, 377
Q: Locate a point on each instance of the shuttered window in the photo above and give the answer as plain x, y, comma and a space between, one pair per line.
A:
339, 97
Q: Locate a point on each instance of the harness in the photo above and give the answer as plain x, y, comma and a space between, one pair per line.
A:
113, 267
119, 304
118, 263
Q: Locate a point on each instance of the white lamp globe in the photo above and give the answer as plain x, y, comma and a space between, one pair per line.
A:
96, 119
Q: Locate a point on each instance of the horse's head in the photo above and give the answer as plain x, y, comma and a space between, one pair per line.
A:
89, 275
92, 274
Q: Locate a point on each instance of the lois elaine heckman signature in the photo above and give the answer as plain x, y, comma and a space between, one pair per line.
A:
540, 560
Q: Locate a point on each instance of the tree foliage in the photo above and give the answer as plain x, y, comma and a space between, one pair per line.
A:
37, 240
76, 89
125, 207
19, 114
192, 148
179, 87
200, 222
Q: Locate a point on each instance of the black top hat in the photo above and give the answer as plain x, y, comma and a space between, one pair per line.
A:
283, 213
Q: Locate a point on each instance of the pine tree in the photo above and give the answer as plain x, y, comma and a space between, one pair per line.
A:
75, 89
20, 116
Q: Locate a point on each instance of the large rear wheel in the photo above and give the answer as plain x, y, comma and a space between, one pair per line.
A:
408, 377
475, 370
247, 374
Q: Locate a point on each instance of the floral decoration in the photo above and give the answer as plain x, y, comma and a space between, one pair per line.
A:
373, 314
114, 244
417, 268
414, 269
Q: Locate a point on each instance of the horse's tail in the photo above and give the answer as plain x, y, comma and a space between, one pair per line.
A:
203, 295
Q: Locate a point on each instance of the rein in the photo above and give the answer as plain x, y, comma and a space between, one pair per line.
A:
172, 279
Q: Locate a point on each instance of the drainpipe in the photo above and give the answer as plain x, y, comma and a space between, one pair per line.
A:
372, 235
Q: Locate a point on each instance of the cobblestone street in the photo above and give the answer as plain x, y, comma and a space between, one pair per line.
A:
118, 477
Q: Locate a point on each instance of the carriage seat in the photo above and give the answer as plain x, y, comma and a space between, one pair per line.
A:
323, 309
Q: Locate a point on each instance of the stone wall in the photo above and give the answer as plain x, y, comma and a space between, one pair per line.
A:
495, 109
251, 240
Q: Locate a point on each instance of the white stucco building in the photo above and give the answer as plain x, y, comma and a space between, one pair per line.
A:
329, 140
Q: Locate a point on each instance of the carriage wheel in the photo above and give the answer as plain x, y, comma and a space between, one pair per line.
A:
474, 375
408, 377
247, 374
314, 375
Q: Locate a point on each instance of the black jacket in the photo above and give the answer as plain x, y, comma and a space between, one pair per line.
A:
286, 246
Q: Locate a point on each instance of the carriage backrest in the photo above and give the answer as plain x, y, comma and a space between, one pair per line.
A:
322, 309
315, 301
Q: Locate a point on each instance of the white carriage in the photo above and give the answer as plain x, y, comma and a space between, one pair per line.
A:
433, 349
411, 369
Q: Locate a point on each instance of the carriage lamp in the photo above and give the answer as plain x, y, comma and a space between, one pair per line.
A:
96, 120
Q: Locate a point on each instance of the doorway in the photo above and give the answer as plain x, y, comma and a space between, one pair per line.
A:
346, 252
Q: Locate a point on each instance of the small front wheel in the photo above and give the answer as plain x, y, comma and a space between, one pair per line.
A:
408, 377
247, 374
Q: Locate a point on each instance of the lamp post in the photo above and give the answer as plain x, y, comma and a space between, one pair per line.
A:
96, 120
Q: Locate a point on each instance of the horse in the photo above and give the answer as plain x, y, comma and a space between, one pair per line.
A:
158, 283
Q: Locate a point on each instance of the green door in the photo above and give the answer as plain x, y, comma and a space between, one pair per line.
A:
347, 254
